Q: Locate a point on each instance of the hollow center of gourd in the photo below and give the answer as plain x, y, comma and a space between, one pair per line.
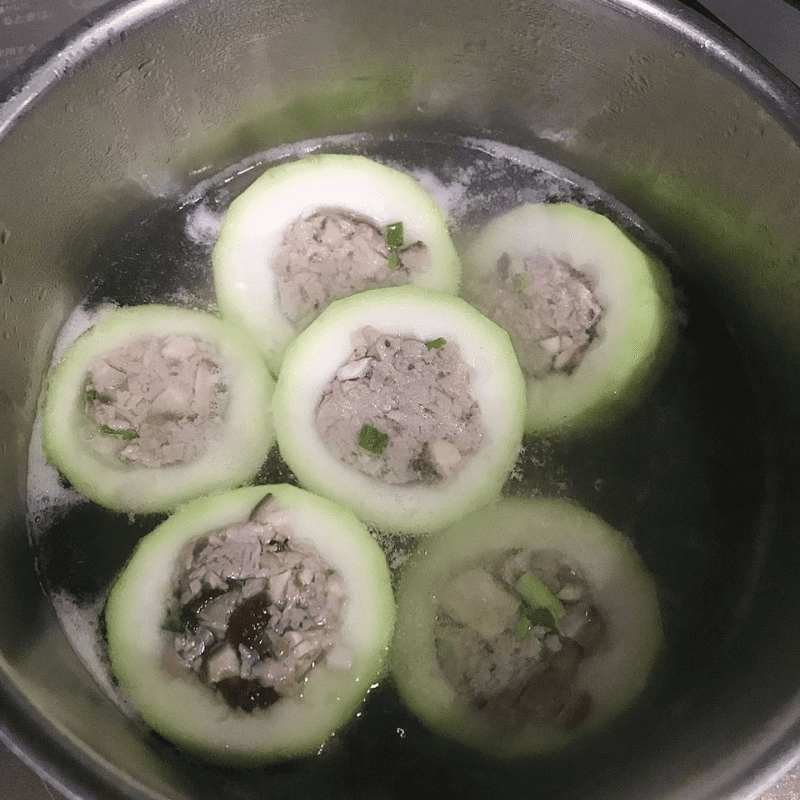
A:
548, 308
511, 635
334, 253
157, 400
401, 409
254, 610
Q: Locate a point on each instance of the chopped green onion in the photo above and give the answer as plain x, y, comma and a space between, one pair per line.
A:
124, 433
394, 235
523, 626
393, 262
372, 439
91, 394
538, 596
521, 281
435, 344
543, 618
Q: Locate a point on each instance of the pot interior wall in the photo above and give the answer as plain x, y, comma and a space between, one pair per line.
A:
149, 104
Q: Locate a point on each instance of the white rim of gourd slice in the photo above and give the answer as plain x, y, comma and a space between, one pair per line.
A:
498, 386
198, 719
253, 228
622, 588
635, 333
231, 459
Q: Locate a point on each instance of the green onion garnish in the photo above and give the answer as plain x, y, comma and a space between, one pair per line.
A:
543, 607
521, 281
523, 627
435, 344
393, 262
124, 433
394, 235
372, 439
542, 617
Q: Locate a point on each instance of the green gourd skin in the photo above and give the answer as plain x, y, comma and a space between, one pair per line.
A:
194, 717
635, 334
70, 440
253, 227
497, 385
622, 588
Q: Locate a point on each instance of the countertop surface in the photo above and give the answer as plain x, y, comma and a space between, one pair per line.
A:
772, 27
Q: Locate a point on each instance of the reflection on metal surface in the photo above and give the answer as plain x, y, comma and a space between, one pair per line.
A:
25, 24
770, 26
20, 783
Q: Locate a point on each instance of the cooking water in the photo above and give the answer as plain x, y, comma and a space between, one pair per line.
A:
681, 476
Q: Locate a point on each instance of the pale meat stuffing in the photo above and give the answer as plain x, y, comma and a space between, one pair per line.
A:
401, 410
548, 308
254, 610
515, 653
332, 254
160, 398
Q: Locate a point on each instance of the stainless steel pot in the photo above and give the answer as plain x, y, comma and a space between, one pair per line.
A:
662, 109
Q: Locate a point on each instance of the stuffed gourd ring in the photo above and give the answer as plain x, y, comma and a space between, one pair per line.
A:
249, 626
523, 627
404, 404
154, 405
326, 226
590, 314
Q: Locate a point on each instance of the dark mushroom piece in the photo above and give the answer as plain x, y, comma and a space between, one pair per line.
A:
261, 616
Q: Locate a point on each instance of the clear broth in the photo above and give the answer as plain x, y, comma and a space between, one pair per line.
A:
682, 476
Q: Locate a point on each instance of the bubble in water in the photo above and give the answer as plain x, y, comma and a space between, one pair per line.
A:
202, 225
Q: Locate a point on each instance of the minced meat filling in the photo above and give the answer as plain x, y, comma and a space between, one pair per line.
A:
512, 634
159, 398
254, 610
548, 308
401, 410
332, 254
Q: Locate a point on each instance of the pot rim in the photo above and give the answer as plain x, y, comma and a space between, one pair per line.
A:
49, 754
693, 24
75, 773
